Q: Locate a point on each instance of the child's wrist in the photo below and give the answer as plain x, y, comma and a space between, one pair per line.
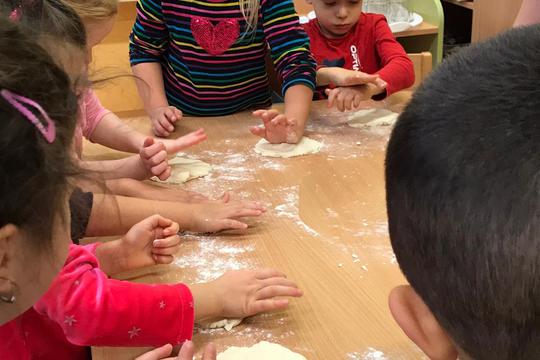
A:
207, 303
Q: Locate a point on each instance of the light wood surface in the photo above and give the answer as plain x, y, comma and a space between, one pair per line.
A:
325, 228
491, 17
424, 28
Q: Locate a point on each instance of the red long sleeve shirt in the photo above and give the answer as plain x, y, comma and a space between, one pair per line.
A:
83, 307
369, 47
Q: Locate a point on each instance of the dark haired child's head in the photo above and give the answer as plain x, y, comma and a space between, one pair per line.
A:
463, 198
34, 225
336, 17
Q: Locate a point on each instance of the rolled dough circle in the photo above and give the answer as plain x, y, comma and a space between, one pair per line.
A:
305, 146
226, 324
372, 118
184, 169
261, 351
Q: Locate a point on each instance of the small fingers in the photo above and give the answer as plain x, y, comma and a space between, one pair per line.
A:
258, 131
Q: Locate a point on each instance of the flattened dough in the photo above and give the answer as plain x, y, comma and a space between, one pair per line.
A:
184, 169
372, 118
261, 351
305, 146
227, 324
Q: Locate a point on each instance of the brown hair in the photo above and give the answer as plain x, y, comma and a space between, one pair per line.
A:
93, 10
34, 186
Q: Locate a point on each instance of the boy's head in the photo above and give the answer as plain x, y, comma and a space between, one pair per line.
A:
463, 198
336, 17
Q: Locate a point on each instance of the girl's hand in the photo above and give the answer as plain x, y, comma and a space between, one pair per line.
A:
186, 353
222, 215
163, 119
344, 77
150, 242
243, 293
173, 146
349, 98
154, 161
276, 128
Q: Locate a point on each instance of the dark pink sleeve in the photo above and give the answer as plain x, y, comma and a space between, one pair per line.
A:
396, 67
94, 113
94, 310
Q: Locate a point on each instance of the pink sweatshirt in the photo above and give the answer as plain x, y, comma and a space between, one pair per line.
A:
90, 114
83, 307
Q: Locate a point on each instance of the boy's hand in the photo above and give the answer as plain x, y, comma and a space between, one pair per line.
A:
349, 98
243, 293
277, 128
163, 119
344, 77
153, 158
173, 146
222, 215
150, 242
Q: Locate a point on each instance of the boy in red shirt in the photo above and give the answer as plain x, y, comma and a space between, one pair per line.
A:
349, 46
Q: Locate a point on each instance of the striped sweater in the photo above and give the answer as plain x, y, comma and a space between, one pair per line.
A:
210, 67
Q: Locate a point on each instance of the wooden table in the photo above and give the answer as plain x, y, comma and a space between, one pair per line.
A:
325, 228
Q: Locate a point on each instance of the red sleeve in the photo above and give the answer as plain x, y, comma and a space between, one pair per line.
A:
94, 310
396, 67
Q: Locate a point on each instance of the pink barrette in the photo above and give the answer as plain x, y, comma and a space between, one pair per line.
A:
17, 101
15, 14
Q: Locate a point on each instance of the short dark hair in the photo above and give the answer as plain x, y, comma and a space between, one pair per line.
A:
463, 196
34, 181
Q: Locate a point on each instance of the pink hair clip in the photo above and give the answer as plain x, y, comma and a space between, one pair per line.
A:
17, 101
15, 14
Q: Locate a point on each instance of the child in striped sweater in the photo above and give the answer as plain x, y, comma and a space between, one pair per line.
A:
207, 58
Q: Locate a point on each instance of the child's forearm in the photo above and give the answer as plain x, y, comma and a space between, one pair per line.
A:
529, 13
149, 79
114, 133
297, 106
130, 167
324, 76
115, 214
110, 257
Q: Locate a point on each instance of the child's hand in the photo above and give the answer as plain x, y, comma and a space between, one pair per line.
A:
243, 293
154, 160
276, 127
150, 242
173, 146
344, 77
163, 119
349, 98
222, 215
186, 353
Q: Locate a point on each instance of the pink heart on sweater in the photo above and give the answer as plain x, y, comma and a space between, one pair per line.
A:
215, 39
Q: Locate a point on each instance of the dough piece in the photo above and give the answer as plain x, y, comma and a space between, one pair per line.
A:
305, 146
372, 118
261, 351
184, 169
227, 324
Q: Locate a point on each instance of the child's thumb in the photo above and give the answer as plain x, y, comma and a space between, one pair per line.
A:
149, 141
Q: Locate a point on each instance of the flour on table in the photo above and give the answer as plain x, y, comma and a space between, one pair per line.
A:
372, 118
226, 324
184, 169
260, 351
305, 146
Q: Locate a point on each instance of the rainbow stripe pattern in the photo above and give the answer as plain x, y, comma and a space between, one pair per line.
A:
204, 84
